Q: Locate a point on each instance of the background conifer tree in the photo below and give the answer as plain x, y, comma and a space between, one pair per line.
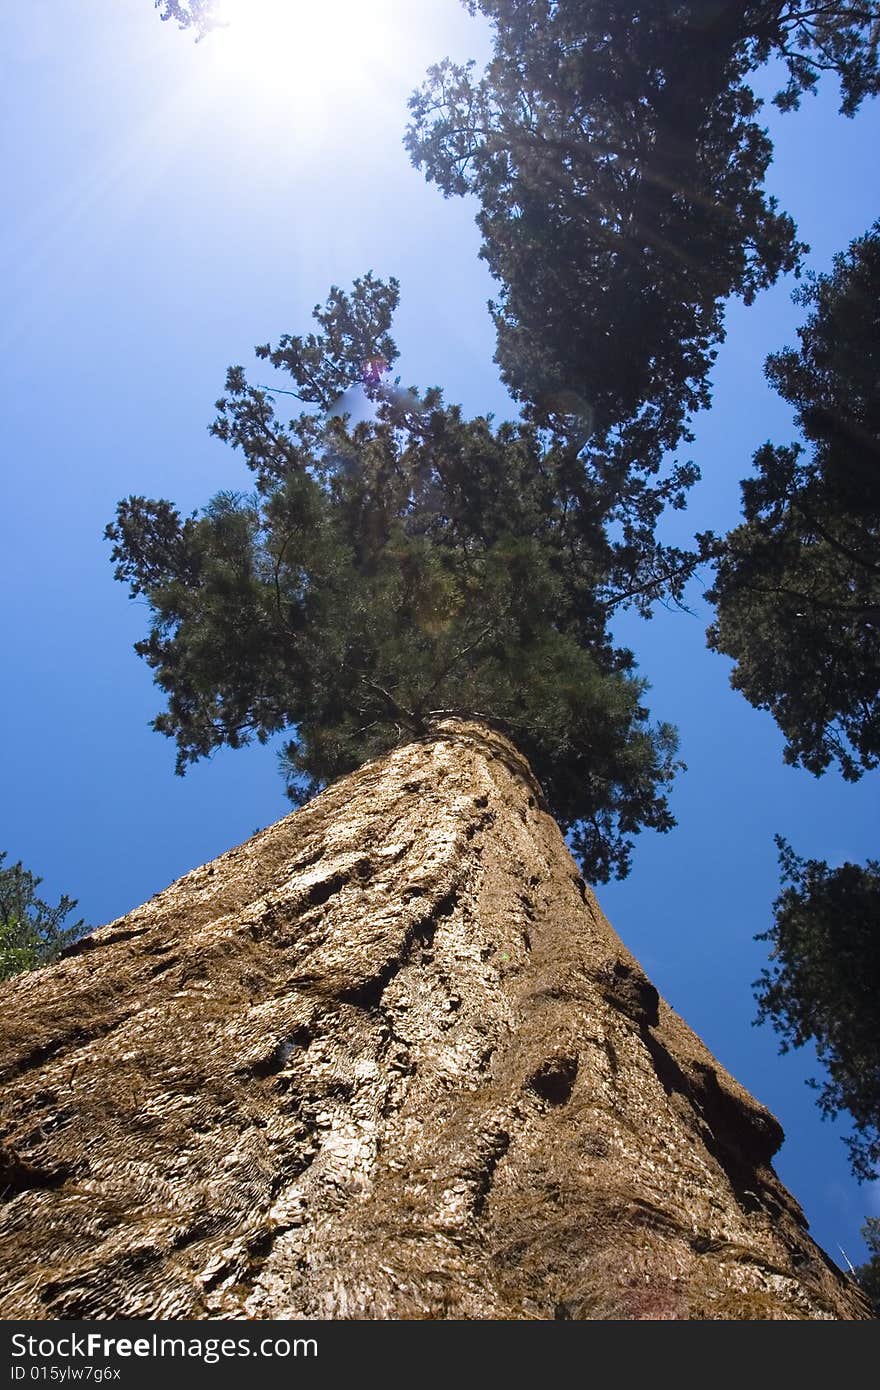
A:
31, 930
797, 595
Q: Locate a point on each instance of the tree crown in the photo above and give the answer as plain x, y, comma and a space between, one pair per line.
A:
618, 161
417, 564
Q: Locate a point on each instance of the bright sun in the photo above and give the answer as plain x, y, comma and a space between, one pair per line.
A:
303, 51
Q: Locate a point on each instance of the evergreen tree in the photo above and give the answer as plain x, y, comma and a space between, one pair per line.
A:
797, 590
416, 564
619, 165
823, 985
31, 931
841, 37
797, 596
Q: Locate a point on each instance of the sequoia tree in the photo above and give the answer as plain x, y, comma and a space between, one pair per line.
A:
414, 565
386, 1060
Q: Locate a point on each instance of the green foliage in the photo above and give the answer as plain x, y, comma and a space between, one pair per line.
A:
383, 574
618, 162
868, 1274
619, 169
823, 985
797, 590
797, 596
355, 344
31, 932
812, 39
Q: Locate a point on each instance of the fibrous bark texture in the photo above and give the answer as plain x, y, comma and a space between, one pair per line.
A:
385, 1060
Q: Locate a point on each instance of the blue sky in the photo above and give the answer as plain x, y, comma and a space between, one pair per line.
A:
169, 206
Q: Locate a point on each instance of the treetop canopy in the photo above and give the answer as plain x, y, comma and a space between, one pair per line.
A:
415, 565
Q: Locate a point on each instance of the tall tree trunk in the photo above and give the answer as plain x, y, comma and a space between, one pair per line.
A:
385, 1060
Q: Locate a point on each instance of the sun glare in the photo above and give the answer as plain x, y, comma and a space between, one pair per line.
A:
304, 53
